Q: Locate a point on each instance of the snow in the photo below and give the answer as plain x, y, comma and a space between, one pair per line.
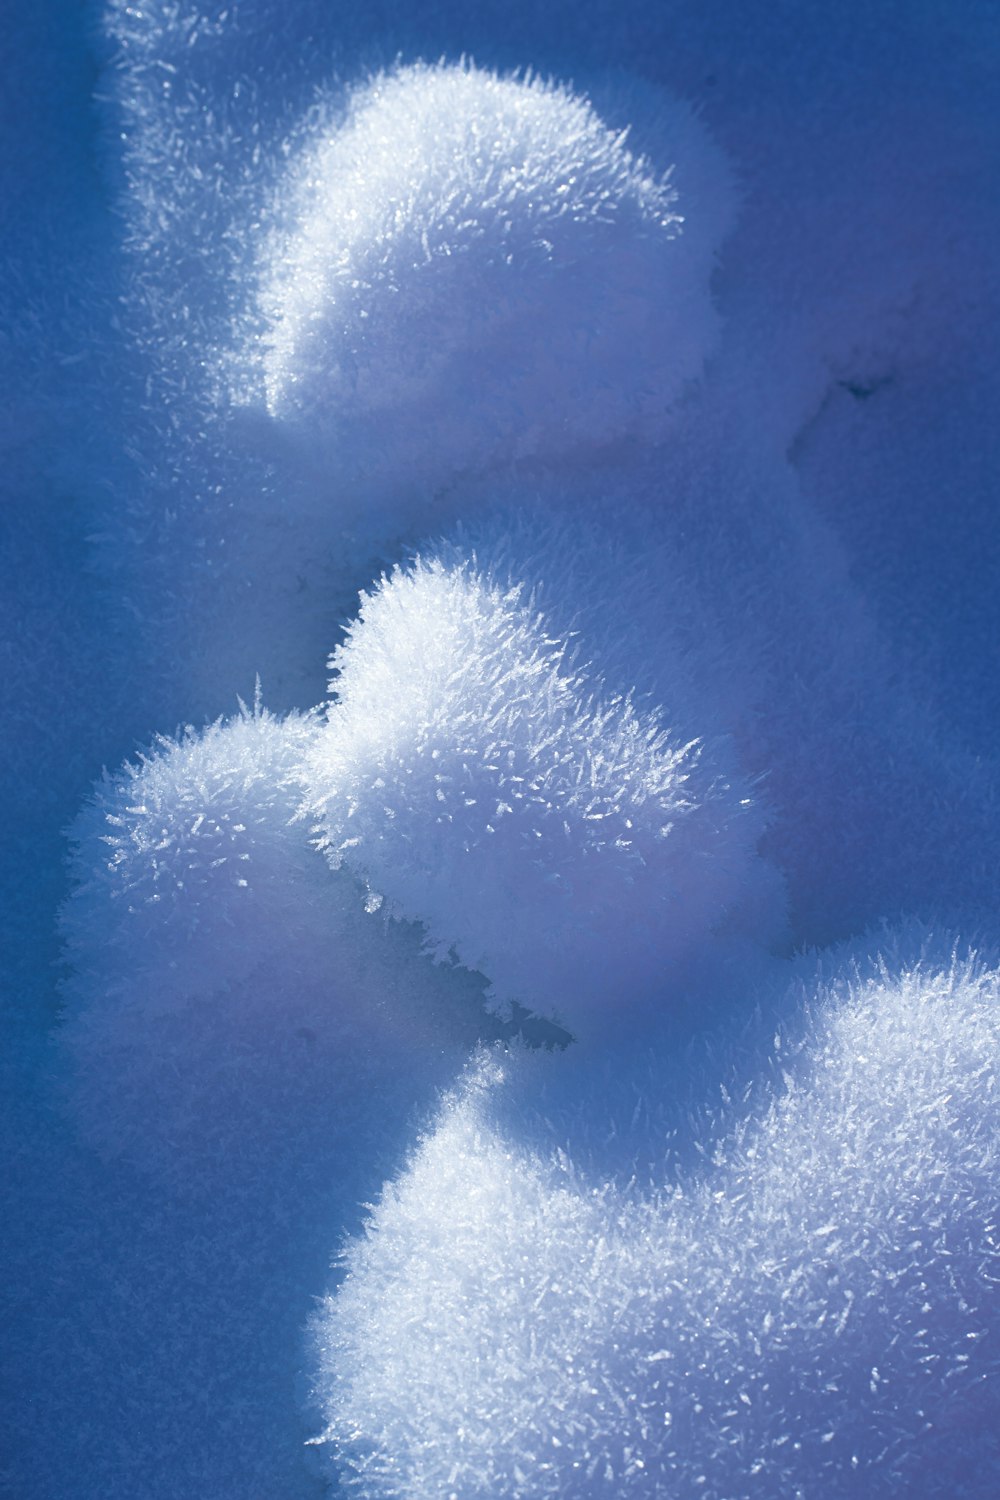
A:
565, 844
483, 251
672, 494
810, 1309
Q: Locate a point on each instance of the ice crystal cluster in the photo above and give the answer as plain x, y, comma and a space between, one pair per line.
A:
813, 1310
195, 838
225, 982
589, 951
485, 251
559, 839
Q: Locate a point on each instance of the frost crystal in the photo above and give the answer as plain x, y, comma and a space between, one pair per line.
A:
819, 1299
474, 266
555, 836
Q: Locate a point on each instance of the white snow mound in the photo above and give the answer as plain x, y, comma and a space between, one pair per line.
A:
472, 267
814, 1313
544, 829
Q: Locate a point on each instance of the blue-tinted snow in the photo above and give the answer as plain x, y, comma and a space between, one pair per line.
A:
233, 1079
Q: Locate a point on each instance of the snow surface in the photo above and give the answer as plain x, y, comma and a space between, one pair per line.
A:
671, 490
485, 249
811, 1310
565, 844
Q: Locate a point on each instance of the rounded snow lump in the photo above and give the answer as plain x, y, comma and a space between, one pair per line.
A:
473, 267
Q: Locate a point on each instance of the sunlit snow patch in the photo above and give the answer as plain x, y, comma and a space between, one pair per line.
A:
814, 1311
472, 266
555, 836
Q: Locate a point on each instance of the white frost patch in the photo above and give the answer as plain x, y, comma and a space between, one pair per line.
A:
818, 1301
557, 837
233, 1005
472, 266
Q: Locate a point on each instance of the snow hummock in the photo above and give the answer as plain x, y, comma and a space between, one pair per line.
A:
550, 832
810, 1307
474, 266
229, 991
793, 584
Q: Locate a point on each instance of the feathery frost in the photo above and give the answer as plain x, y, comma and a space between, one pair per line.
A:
475, 266
236, 1015
551, 834
813, 1310
188, 865
337, 300
701, 578
232, 1002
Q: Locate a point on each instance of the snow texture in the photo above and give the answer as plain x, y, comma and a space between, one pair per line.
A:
811, 1310
485, 250
225, 982
699, 582
558, 839
336, 305
717, 478
197, 841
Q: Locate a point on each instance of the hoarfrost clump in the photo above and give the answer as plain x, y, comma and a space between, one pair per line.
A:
336, 301
476, 266
812, 1310
609, 573
232, 1003
546, 831
189, 869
